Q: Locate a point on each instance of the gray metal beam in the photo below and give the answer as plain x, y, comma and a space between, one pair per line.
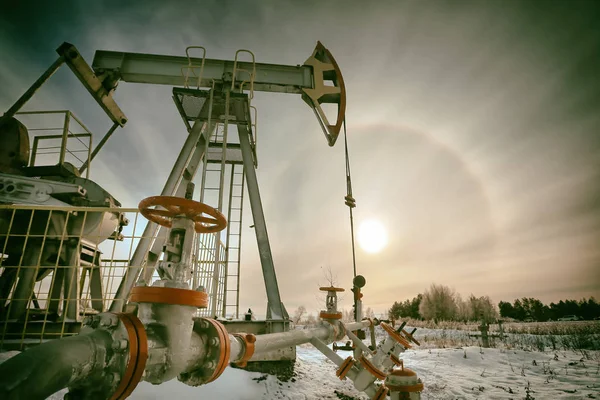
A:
277, 311
92, 82
34, 88
98, 147
170, 70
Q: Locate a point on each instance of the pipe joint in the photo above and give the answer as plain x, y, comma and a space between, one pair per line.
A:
248, 340
123, 357
216, 358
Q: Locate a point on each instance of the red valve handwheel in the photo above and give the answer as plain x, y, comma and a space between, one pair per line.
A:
214, 221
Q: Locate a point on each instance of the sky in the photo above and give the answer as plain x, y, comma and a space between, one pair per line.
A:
473, 131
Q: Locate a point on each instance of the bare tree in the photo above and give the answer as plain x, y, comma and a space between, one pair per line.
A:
439, 303
369, 313
298, 314
311, 320
330, 280
329, 277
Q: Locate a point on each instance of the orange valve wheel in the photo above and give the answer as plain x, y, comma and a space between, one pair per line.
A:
331, 289
213, 221
395, 336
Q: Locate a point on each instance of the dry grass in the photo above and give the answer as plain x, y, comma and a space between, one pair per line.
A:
532, 328
542, 336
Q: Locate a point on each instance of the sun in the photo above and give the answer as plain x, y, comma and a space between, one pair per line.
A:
372, 236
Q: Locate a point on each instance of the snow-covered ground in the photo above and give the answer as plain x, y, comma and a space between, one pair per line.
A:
450, 373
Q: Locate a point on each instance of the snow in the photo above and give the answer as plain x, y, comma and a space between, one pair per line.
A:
314, 379
502, 374
468, 372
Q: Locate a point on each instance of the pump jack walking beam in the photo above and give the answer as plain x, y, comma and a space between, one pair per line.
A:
308, 80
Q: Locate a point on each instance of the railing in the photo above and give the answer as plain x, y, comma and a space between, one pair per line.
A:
59, 264
53, 144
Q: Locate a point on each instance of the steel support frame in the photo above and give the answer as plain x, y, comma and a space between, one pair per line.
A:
34, 88
167, 70
218, 262
275, 307
102, 142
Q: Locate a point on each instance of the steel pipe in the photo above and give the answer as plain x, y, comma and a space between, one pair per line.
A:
279, 340
354, 326
352, 373
324, 332
359, 343
44, 370
323, 348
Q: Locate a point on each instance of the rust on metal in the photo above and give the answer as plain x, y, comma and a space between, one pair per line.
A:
164, 295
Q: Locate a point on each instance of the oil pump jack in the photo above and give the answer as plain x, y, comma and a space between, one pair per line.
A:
162, 322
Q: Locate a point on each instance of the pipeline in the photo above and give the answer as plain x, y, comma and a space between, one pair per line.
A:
114, 352
327, 332
44, 370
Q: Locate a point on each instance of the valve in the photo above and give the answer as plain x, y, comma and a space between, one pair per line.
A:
331, 313
410, 336
180, 207
403, 383
169, 305
395, 336
347, 347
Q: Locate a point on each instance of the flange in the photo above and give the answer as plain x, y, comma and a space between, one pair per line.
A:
373, 370
344, 368
138, 355
217, 357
